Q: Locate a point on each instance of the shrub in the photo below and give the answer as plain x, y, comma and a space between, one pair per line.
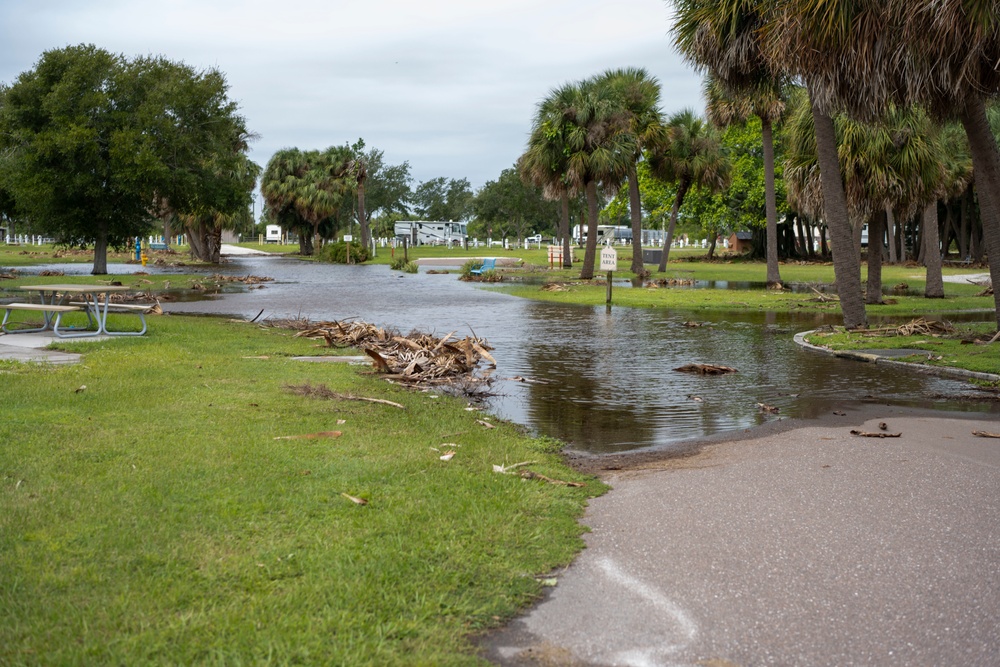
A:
468, 268
337, 253
400, 264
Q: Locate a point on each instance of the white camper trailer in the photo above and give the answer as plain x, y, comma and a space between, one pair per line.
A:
272, 234
424, 232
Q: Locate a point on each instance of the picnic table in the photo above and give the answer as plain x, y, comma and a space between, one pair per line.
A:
53, 302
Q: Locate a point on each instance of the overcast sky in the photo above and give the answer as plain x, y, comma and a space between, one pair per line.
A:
448, 85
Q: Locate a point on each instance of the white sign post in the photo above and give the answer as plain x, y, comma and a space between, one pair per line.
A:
347, 239
609, 262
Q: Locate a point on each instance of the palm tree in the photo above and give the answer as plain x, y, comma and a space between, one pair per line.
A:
358, 167
690, 156
939, 53
722, 39
545, 163
726, 107
593, 129
894, 164
813, 39
312, 184
951, 49
639, 96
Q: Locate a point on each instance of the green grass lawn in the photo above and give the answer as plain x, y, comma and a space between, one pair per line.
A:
959, 298
965, 348
152, 517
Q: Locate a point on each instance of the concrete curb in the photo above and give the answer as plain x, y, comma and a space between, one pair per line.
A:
942, 371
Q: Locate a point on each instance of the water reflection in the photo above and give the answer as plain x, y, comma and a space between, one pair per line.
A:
602, 380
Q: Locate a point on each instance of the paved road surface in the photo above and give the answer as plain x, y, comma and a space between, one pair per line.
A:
808, 547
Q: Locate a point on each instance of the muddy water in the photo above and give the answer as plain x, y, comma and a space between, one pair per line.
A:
600, 380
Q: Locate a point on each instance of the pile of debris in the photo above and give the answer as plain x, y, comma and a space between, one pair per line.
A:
246, 280
415, 359
670, 282
917, 327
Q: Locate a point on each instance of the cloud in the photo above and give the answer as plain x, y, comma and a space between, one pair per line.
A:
449, 86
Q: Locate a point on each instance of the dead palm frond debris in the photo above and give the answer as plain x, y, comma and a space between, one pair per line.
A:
706, 369
823, 298
246, 280
322, 391
917, 327
877, 434
670, 282
415, 359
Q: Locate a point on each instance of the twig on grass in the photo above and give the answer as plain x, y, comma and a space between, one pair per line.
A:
322, 391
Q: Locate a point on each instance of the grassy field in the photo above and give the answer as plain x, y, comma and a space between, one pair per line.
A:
149, 514
959, 298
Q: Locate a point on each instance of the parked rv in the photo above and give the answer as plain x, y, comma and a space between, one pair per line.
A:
426, 232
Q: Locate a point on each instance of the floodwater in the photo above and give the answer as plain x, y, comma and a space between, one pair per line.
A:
599, 379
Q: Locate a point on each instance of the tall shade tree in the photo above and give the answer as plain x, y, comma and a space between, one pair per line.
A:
93, 142
638, 95
207, 176
443, 199
386, 187
690, 157
722, 38
513, 205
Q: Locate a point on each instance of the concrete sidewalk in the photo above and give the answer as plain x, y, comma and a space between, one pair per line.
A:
811, 546
31, 347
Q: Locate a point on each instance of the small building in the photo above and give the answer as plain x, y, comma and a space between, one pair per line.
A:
740, 242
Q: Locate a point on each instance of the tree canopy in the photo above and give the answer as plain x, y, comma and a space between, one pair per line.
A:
93, 144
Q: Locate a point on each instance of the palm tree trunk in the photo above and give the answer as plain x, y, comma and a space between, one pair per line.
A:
770, 207
567, 253
196, 243
934, 289
635, 208
802, 240
890, 220
682, 189
986, 167
846, 263
963, 235
366, 235
873, 292
590, 254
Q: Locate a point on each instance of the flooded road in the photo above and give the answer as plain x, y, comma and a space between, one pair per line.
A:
600, 380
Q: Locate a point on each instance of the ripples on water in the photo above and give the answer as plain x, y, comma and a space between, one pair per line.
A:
603, 380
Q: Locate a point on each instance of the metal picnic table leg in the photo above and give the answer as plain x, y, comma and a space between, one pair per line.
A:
95, 308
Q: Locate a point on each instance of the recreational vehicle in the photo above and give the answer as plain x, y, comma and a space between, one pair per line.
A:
423, 232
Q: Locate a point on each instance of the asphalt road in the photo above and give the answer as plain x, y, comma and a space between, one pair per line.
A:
805, 547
